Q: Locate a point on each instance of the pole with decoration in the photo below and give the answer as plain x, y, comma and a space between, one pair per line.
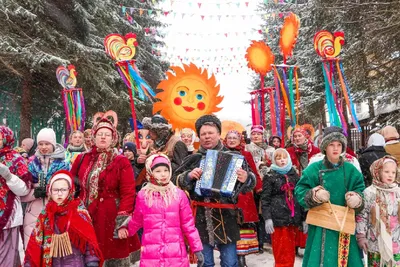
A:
73, 100
122, 49
285, 76
328, 47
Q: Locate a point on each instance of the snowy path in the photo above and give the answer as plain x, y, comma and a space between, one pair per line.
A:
255, 260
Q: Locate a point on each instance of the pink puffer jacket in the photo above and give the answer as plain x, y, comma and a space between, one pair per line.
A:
164, 229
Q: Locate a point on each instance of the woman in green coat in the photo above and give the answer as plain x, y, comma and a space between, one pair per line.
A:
342, 184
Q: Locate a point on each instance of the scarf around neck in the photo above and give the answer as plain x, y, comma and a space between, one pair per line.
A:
282, 170
72, 148
285, 169
72, 217
302, 151
100, 159
168, 193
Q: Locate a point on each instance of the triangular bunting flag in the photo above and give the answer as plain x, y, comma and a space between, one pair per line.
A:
149, 12
247, 4
130, 19
202, 17
123, 9
199, 4
131, 10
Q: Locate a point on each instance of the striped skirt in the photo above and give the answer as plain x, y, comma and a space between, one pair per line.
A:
248, 242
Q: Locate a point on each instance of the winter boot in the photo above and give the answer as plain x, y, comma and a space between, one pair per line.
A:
242, 261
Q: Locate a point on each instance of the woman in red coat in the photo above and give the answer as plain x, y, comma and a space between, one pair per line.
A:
248, 242
107, 188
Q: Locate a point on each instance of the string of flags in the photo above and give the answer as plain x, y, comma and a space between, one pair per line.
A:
232, 58
218, 4
132, 11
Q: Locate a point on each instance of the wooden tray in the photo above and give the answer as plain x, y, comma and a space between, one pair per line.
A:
323, 216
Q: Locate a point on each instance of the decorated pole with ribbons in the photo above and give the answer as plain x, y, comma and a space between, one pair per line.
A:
122, 49
328, 47
260, 59
285, 76
258, 108
73, 100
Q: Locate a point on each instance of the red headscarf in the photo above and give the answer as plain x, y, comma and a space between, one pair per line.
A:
242, 143
72, 216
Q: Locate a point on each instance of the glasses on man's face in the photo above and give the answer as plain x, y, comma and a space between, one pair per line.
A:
57, 191
103, 134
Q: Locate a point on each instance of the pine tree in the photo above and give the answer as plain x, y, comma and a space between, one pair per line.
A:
38, 36
370, 55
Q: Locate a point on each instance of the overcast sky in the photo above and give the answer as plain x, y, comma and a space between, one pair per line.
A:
231, 27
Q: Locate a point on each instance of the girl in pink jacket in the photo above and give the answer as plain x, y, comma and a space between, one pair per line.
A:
164, 213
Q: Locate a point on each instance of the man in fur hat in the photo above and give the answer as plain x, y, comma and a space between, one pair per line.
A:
165, 141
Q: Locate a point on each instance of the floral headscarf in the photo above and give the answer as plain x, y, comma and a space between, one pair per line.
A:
153, 189
382, 203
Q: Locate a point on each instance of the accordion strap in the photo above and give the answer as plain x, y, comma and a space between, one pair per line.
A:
212, 205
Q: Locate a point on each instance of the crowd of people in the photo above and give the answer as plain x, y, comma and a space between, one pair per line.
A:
100, 202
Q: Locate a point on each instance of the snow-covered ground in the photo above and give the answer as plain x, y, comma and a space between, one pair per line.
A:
255, 260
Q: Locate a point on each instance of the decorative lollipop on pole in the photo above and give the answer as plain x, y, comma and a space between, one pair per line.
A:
74, 103
260, 59
328, 47
285, 76
122, 49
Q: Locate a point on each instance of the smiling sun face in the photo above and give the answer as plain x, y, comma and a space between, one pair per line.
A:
187, 95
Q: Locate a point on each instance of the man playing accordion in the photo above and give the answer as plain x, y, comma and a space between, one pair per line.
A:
216, 216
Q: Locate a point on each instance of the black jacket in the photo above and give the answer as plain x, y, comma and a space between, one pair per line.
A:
222, 224
273, 200
368, 156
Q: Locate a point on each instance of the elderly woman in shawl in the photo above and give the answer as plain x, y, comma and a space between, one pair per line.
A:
108, 191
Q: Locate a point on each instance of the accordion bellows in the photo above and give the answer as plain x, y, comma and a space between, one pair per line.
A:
219, 174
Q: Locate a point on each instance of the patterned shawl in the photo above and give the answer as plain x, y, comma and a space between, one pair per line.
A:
72, 217
383, 202
302, 151
100, 159
16, 163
